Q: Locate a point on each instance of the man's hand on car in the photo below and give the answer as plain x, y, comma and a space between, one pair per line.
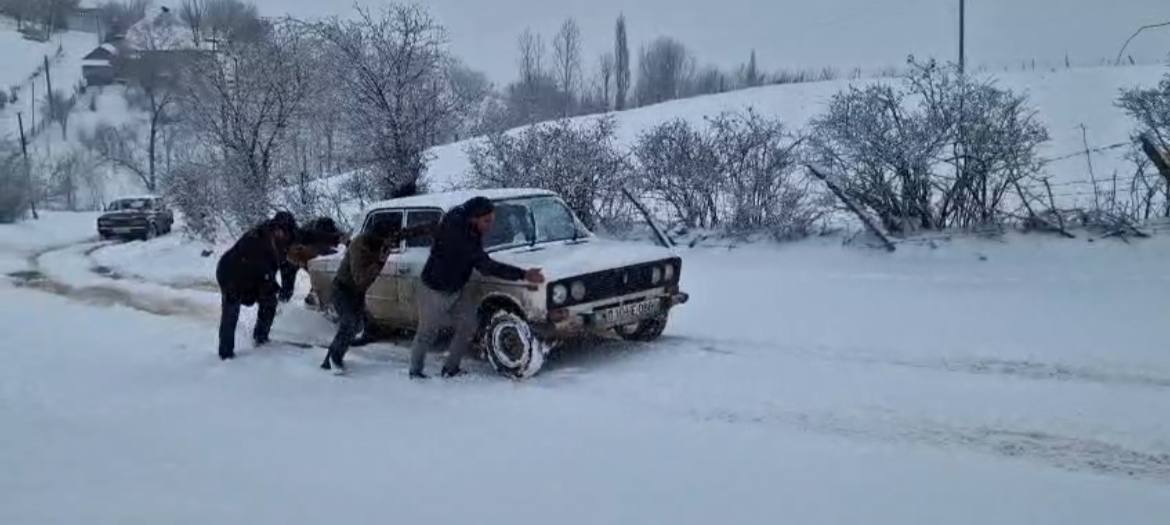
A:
534, 276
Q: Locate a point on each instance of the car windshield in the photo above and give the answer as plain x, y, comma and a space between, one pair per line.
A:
129, 204
532, 221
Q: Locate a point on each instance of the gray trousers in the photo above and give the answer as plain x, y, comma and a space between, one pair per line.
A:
438, 311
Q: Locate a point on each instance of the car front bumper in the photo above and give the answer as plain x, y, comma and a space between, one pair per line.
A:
110, 231
597, 317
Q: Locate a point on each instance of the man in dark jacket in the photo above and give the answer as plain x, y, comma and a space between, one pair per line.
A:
316, 238
360, 267
442, 303
247, 275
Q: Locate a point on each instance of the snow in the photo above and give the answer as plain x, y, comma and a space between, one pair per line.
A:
979, 381
20, 241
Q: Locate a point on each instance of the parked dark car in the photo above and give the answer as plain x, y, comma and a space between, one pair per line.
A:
136, 217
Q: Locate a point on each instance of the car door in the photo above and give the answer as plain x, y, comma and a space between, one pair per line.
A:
382, 297
409, 266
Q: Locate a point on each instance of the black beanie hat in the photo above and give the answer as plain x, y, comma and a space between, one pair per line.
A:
478, 207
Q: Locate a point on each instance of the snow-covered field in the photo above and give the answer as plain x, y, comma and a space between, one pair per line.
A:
1021, 380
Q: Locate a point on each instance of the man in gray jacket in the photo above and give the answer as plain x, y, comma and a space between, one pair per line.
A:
442, 303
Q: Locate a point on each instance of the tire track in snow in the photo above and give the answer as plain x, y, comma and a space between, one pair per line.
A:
1018, 368
1071, 453
105, 294
208, 286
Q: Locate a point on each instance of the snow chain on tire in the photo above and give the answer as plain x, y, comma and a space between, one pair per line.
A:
530, 358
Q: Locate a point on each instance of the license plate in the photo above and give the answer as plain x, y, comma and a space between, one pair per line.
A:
123, 230
628, 313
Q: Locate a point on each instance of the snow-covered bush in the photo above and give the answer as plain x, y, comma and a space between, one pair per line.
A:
678, 165
580, 161
1149, 108
192, 191
937, 150
739, 175
758, 166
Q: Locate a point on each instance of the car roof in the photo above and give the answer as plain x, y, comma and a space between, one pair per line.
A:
450, 199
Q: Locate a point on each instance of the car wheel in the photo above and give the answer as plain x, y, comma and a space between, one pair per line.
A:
643, 331
511, 347
151, 232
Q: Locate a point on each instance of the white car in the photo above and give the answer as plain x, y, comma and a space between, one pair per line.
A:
593, 285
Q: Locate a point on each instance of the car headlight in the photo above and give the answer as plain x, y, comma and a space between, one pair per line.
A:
655, 275
668, 270
579, 291
560, 294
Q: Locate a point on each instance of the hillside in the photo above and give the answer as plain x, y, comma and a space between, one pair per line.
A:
1064, 98
22, 58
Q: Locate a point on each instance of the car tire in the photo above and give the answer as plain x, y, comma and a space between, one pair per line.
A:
151, 232
510, 345
644, 331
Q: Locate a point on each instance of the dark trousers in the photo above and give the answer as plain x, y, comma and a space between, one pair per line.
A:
351, 310
230, 316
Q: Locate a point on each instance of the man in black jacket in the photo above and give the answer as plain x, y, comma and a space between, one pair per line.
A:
247, 275
442, 303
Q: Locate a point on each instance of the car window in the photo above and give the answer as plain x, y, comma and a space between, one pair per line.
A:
532, 220
130, 204
421, 218
379, 217
513, 226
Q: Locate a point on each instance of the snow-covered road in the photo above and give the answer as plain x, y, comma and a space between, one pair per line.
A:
1023, 381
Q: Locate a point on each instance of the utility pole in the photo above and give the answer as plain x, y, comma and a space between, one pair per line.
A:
32, 201
962, 36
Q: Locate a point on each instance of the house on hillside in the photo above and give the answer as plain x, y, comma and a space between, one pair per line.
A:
99, 67
154, 48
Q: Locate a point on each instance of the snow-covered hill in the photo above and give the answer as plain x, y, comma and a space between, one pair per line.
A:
1066, 99
22, 58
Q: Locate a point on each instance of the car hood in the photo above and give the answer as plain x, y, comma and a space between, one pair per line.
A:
564, 260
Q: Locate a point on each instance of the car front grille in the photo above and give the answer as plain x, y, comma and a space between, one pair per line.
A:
618, 282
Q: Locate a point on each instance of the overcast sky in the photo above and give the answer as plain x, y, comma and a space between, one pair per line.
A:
804, 33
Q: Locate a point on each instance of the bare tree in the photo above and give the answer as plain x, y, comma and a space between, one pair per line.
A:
536, 96
707, 81
664, 68
193, 13
399, 88
567, 52
622, 64
605, 74
120, 147
241, 102
531, 61
750, 73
